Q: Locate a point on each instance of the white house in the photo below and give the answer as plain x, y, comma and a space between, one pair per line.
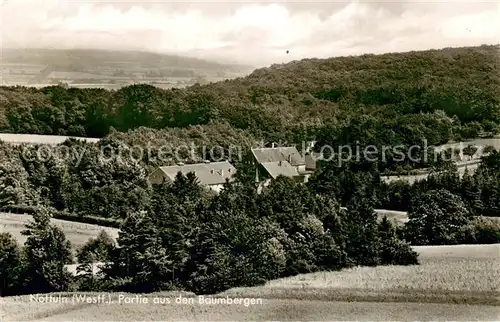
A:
210, 174
286, 161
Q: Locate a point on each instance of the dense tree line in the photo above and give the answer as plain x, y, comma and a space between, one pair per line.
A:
38, 267
479, 191
109, 179
88, 182
462, 82
185, 237
445, 208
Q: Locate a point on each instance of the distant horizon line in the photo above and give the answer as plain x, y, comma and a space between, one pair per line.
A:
134, 50
234, 63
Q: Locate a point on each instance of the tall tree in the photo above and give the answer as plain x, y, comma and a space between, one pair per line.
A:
436, 218
46, 251
361, 231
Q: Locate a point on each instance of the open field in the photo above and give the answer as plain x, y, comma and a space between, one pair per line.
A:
457, 274
77, 233
470, 165
40, 139
398, 217
269, 310
401, 217
452, 283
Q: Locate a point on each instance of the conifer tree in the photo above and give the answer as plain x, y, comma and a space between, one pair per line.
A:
45, 251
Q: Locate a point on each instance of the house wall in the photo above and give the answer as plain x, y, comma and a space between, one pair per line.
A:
261, 173
216, 187
263, 184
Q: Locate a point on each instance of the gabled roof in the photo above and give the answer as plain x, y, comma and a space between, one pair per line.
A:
207, 173
288, 154
278, 168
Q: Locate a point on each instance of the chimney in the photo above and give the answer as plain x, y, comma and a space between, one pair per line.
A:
280, 163
212, 171
290, 158
272, 145
221, 172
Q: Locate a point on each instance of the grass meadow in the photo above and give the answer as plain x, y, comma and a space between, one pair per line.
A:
447, 274
77, 233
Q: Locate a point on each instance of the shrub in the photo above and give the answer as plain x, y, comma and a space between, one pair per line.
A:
10, 265
481, 231
394, 251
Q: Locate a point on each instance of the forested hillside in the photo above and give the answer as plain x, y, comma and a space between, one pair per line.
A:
291, 101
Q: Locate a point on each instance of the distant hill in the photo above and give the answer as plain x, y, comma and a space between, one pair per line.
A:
64, 58
35, 66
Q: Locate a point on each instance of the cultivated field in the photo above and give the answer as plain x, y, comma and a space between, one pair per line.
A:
452, 283
401, 217
456, 274
77, 233
397, 217
269, 310
470, 165
40, 139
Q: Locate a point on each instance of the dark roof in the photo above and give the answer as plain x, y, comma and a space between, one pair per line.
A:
207, 173
288, 154
278, 168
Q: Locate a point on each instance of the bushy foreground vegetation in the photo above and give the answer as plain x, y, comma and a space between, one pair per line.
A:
188, 239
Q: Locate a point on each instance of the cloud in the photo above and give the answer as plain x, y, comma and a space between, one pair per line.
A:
257, 33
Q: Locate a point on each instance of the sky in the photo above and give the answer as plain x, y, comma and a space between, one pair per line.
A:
254, 32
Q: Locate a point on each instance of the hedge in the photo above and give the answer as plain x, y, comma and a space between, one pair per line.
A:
64, 215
